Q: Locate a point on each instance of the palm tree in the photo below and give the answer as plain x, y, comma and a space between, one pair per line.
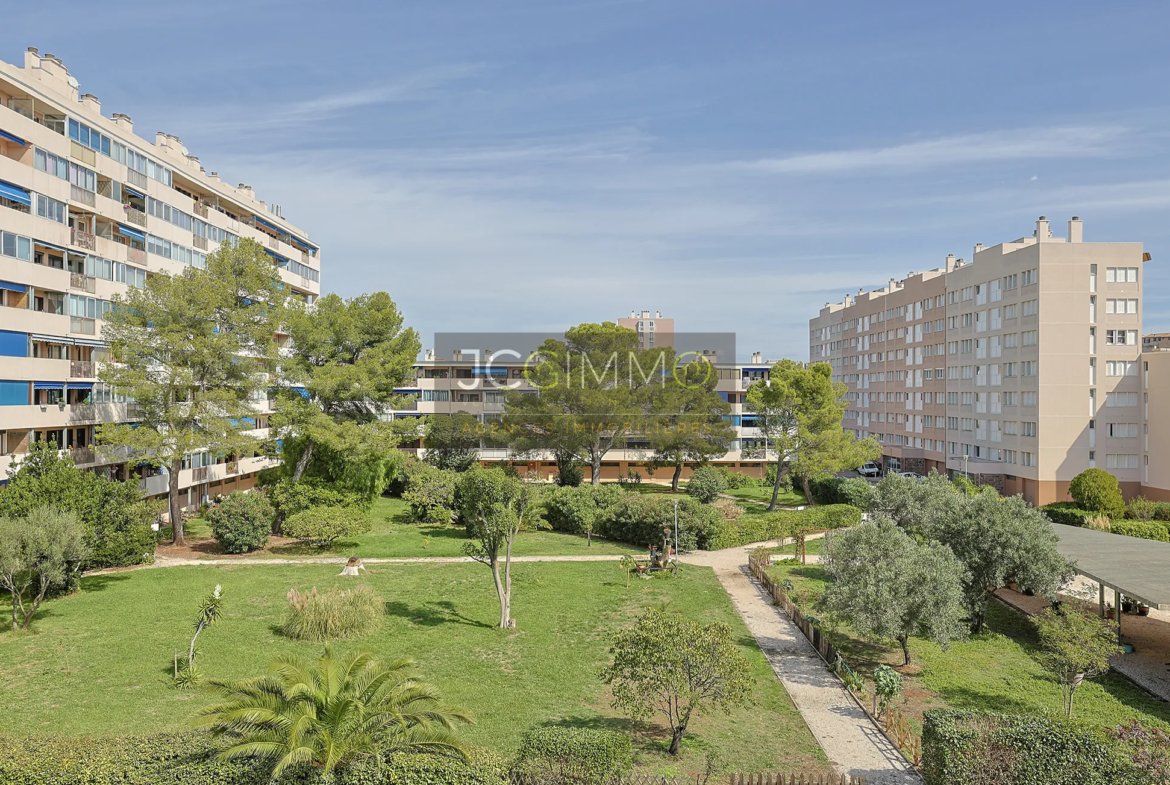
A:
329, 713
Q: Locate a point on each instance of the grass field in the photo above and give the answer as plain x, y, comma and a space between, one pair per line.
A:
394, 536
996, 670
758, 493
100, 661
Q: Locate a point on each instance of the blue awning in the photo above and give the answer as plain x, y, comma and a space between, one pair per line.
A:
12, 138
86, 386
16, 194
264, 223
489, 371
48, 385
279, 259
301, 391
131, 233
13, 287
132, 192
51, 245
414, 391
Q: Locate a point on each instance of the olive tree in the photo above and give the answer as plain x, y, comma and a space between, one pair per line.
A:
38, 552
1076, 645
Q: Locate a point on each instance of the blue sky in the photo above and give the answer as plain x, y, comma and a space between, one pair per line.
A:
530, 165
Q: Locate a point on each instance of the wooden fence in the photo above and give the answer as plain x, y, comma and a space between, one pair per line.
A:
702, 779
811, 631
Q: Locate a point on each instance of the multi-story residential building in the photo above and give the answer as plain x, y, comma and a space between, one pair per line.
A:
1036, 345
475, 385
87, 209
652, 330
1155, 341
1156, 424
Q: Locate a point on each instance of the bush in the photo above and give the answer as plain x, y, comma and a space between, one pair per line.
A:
569, 476
336, 613
706, 484
735, 479
430, 492
782, 523
1098, 491
770, 479
1143, 509
574, 509
322, 525
729, 509
1147, 530
1067, 513
838, 490
289, 498
640, 519
576, 756
961, 747
242, 522
189, 759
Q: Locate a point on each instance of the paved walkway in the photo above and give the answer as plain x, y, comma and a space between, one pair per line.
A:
845, 732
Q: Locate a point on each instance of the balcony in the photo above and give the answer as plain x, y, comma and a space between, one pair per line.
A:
82, 326
81, 369
81, 239
81, 282
81, 195
136, 256
200, 209
135, 178
136, 217
274, 243
82, 455
106, 188
83, 154
199, 474
199, 242
304, 257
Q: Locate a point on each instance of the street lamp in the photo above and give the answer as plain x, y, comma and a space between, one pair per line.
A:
965, 457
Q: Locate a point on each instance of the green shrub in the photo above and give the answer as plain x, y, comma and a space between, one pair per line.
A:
575, 509
573, 756
1067, 513
782, 523
705, 484
335, 613
1147, 530
430, 492
322, 525
189, 759
569, 476
242, 521
840, 490
735, 479
961, 747
770, 479
639, 519
1143, 509
1097, 490
289, 498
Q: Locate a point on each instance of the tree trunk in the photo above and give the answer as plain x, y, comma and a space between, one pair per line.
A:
776, 485
173, 503
495, 565
674, 479
507, 610
807, 491
595, 467
1072, 691
676, 735
15, 602
589, 537
905, 650
191, 651
303, 461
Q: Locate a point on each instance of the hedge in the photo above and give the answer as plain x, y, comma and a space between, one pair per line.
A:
842, 490
188, 759
782, 523
639, 519
1147, 530
579, 755
1067, 513
961, 746
570, 509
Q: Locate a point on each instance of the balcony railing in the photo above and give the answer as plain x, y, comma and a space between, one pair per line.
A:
81, 239
305, 282
86, 283
82, 153
78, 324
81, 195
81, 369
82, 455
135, 255
200, 209
273, 243
305, 257
135, 178
199, 475
136, 217
199, 242
233, 467
106, 188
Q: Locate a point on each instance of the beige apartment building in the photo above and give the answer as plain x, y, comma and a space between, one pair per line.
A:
87, 209
653, 331
1156, 432
1020, 367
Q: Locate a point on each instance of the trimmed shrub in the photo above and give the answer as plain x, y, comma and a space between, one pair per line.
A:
1098, 491
705, 484
290, 497
322, 525
841, 490
1067, 513
1147, 530
782, 523
573, 756
242, 521
189, 759
961, 747
335, 613
573, 509
569, 476
640, 519
430, 493
1143, 509
735, 479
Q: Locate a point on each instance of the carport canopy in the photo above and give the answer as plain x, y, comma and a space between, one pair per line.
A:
1131, 566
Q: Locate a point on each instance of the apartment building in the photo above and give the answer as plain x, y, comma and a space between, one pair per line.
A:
1155, 341
652, 330
87, 209
475, 384
1019, 368
1156, 429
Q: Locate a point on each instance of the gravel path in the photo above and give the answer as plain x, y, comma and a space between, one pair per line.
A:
845, 732
227, 561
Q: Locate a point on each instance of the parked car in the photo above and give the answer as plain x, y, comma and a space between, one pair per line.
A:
870, 469
912, 476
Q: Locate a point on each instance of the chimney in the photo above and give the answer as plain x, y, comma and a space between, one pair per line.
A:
1042, 231
950, 262
32, 58
1075, 230
91, 102
658, 314
977, 249
848, 301
430, 354
633, 314
123, 121
757, 357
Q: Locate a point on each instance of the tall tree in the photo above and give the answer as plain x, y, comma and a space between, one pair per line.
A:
191, 350
37, 552
496, 508
686, 419
594, 386
1076, 645
345, 360
889, 587
452, 440
799, 410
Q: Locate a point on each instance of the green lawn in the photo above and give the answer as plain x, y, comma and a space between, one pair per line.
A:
792, 498
996, 670
394, 536
100, 661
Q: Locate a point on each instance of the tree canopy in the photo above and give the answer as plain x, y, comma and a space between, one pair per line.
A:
687, 419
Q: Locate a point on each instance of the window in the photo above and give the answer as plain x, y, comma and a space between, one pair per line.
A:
1121, 306
967, 319
1028, 368
82, 177
1010, 428
1009, 311
981, 294
1029, 398
1027, 459
1009, 369
1121, 399
1009, 399
1010, 282
16, 246
91, 138
953, 347
968, 292
952, 298
1028, 278
1121, 368
51, 209
1009, 341
87, 307
1121, 337
1121, 461
1121, 275
1030, 307
1030, 337
1027, 429
1123, 430
968, 372
968, 398
996, 318
995, 291
47, 162
436, 395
